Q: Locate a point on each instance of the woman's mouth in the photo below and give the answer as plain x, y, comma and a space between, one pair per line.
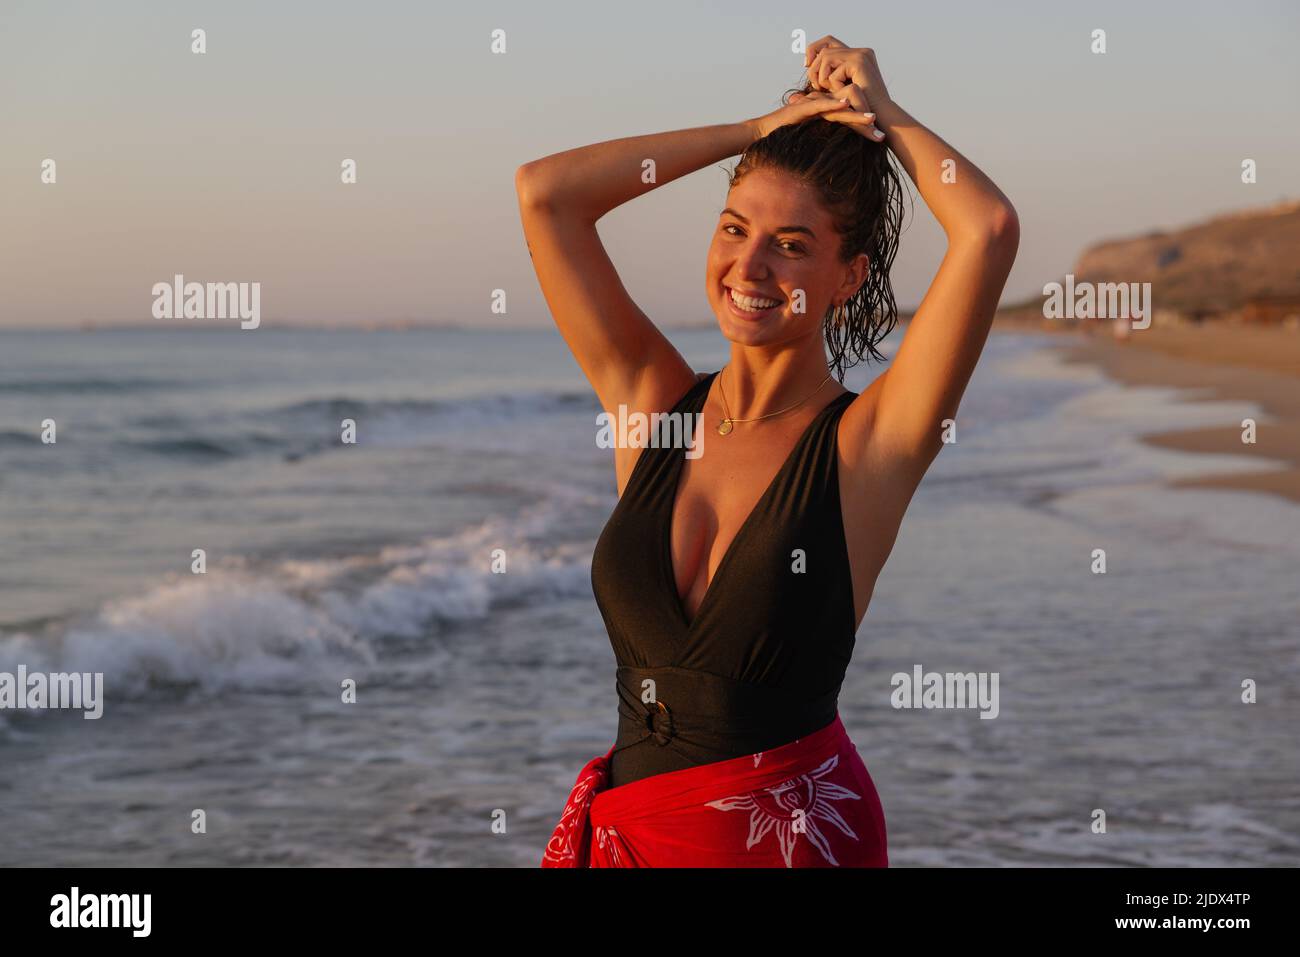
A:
751, 307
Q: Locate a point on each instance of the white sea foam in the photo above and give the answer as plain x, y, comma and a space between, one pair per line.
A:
275, 628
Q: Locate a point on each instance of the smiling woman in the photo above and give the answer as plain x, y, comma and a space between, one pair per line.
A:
732, 584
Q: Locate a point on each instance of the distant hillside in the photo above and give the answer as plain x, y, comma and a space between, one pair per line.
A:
1211, 268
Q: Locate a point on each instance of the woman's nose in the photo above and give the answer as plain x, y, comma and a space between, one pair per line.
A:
751, 261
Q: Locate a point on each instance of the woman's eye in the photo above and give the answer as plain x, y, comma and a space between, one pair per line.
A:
789, 245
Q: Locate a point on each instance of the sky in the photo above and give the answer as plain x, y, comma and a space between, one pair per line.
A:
225, 166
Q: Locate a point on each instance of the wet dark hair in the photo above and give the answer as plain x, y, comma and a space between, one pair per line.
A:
860, 186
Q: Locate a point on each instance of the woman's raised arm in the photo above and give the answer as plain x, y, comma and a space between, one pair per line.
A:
904, 409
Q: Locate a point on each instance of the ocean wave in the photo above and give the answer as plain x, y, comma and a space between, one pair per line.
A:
87, 386
215, 632
11, 438
185, 448
301, 429
503, 407
293, 624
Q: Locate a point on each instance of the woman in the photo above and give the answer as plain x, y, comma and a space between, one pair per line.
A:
732, 582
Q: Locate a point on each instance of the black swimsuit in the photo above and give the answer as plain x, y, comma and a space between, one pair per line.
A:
762, 661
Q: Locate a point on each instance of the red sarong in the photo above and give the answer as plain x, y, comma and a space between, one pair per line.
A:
809, 803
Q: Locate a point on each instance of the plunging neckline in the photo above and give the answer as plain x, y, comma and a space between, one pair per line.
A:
688, 624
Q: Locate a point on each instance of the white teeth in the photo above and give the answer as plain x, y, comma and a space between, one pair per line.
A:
752, 305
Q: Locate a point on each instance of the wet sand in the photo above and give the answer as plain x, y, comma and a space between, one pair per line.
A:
1224, 362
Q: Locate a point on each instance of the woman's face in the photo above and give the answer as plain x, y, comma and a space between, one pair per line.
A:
775, 242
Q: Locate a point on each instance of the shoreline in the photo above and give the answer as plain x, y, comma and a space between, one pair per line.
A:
1222, 361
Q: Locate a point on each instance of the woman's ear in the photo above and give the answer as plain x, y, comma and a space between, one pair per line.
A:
861, 270
855, 275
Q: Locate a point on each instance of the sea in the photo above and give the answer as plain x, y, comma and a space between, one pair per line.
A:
386, 651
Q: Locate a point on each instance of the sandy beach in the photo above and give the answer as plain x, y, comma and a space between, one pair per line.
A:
1259, 364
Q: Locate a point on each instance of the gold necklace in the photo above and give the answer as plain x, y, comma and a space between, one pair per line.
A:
728, 423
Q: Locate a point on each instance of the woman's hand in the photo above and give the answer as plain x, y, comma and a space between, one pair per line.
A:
864, 123
832, 65
840, 72
798, 110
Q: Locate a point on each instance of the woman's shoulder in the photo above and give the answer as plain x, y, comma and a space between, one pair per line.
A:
700, 387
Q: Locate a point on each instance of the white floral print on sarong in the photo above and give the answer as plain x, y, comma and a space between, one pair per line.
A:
560, 848
609, 836
780, 808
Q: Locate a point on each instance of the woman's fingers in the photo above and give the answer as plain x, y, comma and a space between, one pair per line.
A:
799, 107
815, 73
847, 105
827, 61
863, 123
857, 98
816, 47
858, 113
822, 58
825, 104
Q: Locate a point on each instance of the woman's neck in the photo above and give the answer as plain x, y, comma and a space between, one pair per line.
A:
757, 381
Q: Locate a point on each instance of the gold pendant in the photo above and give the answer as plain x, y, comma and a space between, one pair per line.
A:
725, 427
